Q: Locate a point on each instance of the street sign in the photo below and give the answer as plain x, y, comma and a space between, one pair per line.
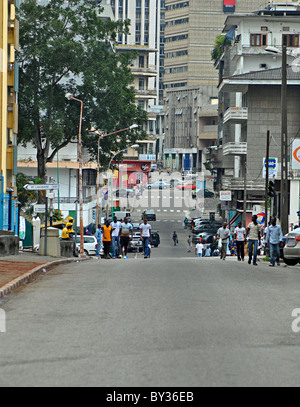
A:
40, 187
226, 196
273, 167
296, 155
39, 208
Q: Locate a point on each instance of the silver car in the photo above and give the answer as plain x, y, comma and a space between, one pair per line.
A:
291, 251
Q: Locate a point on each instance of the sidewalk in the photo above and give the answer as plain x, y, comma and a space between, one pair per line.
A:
19, 270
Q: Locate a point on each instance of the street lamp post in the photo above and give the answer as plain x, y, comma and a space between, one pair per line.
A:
69, 96
111, 161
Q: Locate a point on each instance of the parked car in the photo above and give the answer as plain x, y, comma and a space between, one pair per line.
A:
90, 245
291, 251
205, 228
186, 186
149, 215
155, 239
135, 244
159, 185
136, 227
125, 193
208, 194
189, 175
196, 238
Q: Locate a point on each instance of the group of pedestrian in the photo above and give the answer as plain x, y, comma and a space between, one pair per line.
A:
252, 235
116, 237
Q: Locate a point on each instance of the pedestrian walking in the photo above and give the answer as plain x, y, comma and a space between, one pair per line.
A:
199, 250
189, 240
254, 236
107, 232
208, 251
146, 237
175, 239
126, 234
240, 237
98, 236
116, 227
273, 239
224, 234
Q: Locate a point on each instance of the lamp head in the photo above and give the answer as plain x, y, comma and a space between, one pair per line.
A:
134, 126
69, 95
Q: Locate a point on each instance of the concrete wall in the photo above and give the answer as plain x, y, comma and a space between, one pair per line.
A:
265, 114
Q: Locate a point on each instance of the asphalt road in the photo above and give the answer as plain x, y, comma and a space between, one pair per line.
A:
172, 320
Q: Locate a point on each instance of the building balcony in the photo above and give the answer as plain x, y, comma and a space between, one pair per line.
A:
13, 33
238, 184
235, 149
146, 94
209, 133
237, 115
12, 117
150, 71
10, 75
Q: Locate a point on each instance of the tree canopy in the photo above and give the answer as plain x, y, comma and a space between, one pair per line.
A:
65, 47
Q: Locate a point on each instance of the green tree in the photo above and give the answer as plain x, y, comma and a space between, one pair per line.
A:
220, 43
65, 48
27, 198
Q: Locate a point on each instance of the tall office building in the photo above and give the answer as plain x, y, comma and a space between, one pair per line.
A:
190, 79
144, 38
9, 42
190, 32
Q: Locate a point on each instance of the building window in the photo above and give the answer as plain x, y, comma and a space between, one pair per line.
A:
259, 40
290, 40
141, 84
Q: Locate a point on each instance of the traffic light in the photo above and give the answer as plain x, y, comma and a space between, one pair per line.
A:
271, 189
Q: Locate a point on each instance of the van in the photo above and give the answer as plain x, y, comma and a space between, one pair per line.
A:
122, 215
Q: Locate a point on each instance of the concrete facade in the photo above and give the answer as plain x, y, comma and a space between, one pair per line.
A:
191, 29
9, 44
191, 126
250, 106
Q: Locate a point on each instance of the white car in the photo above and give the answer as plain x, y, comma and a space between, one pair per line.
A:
90, 245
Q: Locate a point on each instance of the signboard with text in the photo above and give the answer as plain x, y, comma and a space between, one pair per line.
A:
225, 196
273, 167
296, 155
229, 6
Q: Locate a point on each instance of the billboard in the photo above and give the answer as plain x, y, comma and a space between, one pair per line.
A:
229, 6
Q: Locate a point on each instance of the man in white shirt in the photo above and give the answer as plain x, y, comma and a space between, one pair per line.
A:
116, 227
240, 236
199, 249
146, 237
224, 235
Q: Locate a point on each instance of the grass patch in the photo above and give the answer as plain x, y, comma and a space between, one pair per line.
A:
266, 259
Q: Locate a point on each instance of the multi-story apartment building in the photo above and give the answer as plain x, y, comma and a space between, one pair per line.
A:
144, 38
250, 72
9, 81
190, 32
9, 43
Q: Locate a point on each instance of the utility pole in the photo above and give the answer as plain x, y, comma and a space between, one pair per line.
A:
284, 202
267, 179
245, 194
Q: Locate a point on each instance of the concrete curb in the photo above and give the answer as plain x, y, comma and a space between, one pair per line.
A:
33, 274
